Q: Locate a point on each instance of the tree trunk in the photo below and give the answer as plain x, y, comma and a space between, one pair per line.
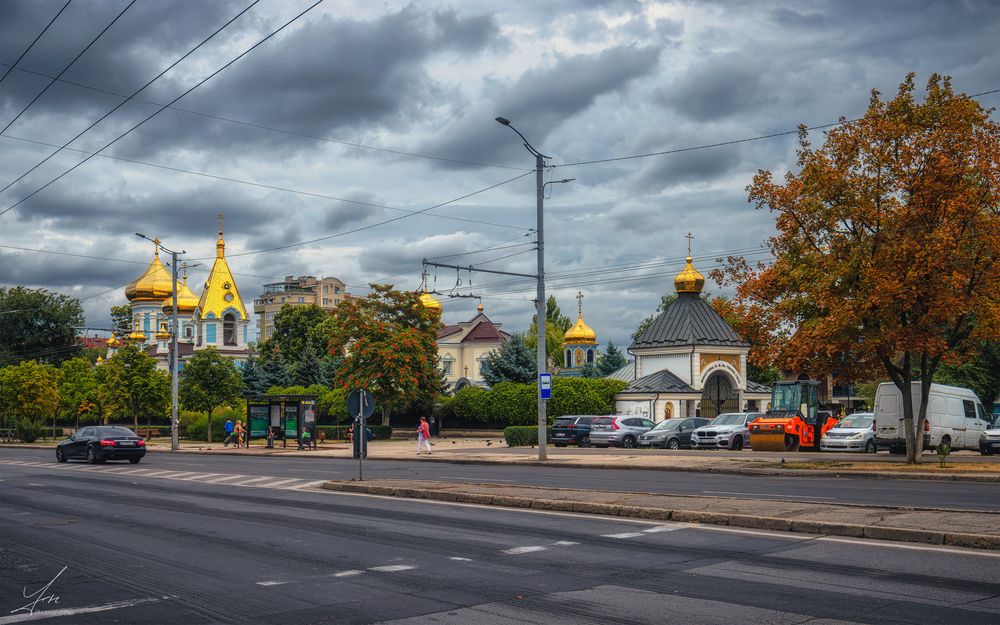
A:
210, 409
385, 415
135, 419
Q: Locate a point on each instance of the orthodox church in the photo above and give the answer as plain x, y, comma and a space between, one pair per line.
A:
217, 318
579, 344
689, 361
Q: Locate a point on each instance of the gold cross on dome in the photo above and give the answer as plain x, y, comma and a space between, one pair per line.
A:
579, 299
689, 237
220, 222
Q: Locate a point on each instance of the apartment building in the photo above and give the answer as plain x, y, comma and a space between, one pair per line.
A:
326, 293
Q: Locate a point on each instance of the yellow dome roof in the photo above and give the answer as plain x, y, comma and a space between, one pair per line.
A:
137, 336
113, 341
163, 334
187, 301
689, 280
580, 333
429, 302
154, 284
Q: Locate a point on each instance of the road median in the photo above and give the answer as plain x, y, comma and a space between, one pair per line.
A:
976, 530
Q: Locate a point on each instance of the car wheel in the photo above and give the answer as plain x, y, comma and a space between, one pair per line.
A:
584, 442
897, 449
134, 460
871, 447
559, 444
738, 443
673, 443
628, 442
91, 455
60, 456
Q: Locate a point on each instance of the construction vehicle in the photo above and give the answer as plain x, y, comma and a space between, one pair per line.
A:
794, 422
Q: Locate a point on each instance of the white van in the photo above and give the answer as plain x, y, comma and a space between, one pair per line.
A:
954, 415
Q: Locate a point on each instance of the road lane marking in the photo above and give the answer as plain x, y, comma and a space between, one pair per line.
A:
44, 614
223, 479
271, 583
519, 550
306, 485
392, 568
35, 484
566, 543
664, 528
349, 573
623, 535
458, 559
729, 492
251, 481
275, 484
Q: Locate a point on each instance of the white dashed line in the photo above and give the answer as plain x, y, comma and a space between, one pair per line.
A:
623, 535
251, 481
306, 485
226, 478
271, 583
392, 568
519, 550
566, 543
278, 483
663, 528
350, 573
457, 559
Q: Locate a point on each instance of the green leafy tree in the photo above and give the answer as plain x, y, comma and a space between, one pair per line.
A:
36, 324
77, 389
590, 370
981, 373
273, 371
131, 385
295, 327
554, 338
511, 362
28, 393
250, 370
307, 369
388, 342
611, 360
121, 320
209, 380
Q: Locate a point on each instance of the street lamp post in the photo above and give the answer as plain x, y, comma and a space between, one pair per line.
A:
540, 295
175, 443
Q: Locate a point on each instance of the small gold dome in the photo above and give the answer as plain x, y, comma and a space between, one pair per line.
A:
689, 280
100, 361
137, 336
580, 333
113, 341
187, 301
480, 308
429, 302
154, 284
163, 334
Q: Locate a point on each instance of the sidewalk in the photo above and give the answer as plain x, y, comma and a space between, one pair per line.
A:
977, 530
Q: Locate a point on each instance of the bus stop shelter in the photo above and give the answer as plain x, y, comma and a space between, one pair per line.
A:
288, 416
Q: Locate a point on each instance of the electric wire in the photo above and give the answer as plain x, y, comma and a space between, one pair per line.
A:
128, 98
11, 67
65, 69
161, 109
283, 131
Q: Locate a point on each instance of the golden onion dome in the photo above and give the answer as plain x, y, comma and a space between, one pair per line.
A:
163, 334
113, 341
137, 336
100, 361
154, 284
429, 302
187, 301
689, 280
580, 333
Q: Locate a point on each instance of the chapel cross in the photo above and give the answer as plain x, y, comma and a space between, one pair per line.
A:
220, 222
579, 305
689, 236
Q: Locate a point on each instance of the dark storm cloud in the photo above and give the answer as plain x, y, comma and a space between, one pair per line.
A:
719, 86
540, 100
64, 272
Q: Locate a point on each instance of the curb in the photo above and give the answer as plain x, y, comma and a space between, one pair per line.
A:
953, 539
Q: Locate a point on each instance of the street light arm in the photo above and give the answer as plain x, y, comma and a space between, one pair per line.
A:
503, 121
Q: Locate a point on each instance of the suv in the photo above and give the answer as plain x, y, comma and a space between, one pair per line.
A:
620, 430
726, 431
672, 433
572, 429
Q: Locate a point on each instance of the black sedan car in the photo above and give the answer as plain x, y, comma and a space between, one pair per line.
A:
672, 433
99, 443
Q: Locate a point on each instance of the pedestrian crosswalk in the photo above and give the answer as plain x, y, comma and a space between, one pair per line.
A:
222, 479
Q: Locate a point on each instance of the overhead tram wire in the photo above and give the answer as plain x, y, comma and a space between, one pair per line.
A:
732, 142
161, 109
129, 98
262, 185
376, 224
65, 69
34, 41
284, 131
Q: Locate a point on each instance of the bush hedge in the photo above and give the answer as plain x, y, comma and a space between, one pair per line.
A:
197, 425
523, 435
508, 403
27, 430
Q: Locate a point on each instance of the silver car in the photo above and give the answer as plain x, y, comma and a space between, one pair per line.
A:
855, 432
727, 431
620, 430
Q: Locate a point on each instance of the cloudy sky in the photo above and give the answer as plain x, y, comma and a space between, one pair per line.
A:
361, 112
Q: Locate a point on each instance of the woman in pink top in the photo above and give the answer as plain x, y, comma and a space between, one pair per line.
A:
423, 436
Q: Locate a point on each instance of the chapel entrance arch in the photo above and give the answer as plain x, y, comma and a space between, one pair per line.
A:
719, 394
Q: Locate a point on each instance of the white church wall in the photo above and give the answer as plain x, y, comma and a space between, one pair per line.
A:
678, 364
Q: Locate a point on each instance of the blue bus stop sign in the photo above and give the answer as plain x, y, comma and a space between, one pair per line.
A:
545, 385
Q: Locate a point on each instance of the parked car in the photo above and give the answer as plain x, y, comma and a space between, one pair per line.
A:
855, 432
727, 431
572, 429
620, 430
989, 440
954, 416
672, 433
99, 443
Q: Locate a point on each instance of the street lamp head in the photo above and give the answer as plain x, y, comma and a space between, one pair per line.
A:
141, 235
567, 180
503, 120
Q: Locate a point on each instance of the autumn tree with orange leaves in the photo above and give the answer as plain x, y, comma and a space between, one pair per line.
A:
388, 341
885, 258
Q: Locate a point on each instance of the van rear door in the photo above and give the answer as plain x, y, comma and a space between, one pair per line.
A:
888, 413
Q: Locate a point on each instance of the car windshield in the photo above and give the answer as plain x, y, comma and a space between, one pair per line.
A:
604, 421
114, 431
561, 423
858, 420
669, 424
728, 419
996, 424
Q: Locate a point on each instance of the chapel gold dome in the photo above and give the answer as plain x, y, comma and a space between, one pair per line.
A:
187, 301
689, 280
580, 333
154, 284
429, 302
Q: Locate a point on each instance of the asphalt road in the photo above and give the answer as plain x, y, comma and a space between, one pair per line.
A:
116, 544
841, 490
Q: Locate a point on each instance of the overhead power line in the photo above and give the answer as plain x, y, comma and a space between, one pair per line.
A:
128, 98
162, 108
65, 69
11, 67
262, 185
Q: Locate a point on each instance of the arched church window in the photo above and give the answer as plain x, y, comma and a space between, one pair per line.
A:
229, 329
590, 355
569, 358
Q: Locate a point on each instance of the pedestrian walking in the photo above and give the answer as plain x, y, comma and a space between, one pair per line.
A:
229, 433
238, 431
423, 436
270, 437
